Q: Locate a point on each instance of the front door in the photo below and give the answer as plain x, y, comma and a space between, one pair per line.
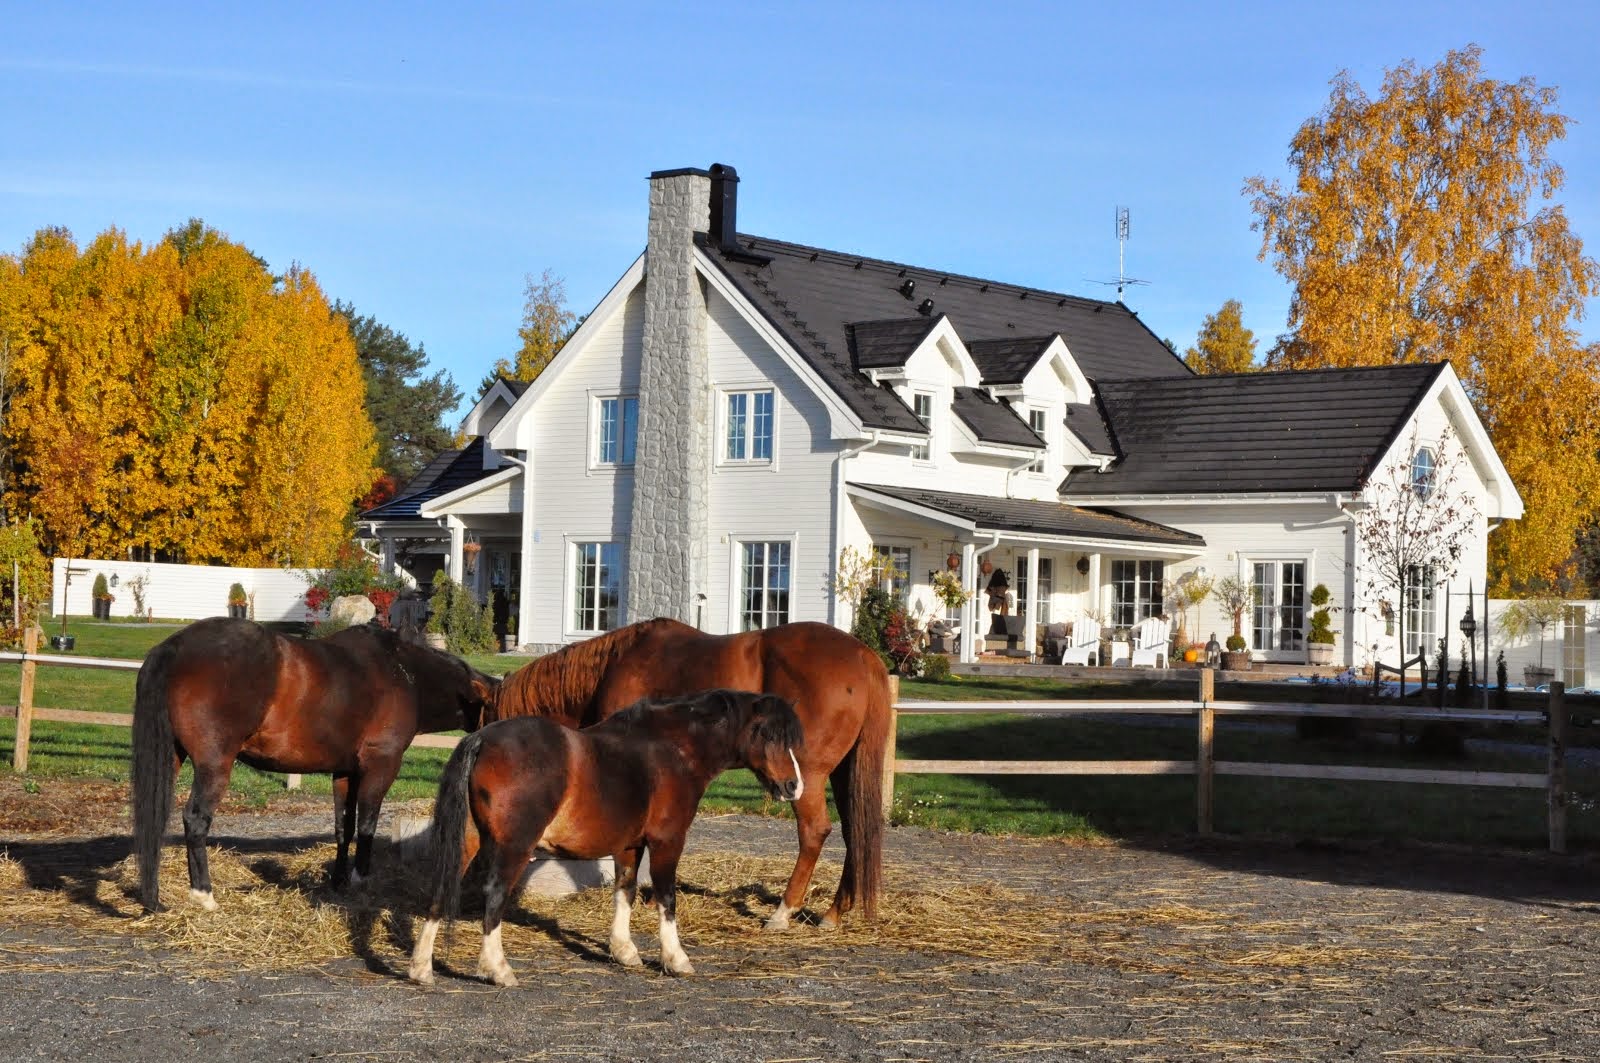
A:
1278, 621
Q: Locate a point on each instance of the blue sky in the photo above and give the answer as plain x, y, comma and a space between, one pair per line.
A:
421, 163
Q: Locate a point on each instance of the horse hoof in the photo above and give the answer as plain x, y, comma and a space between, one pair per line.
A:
204, 899
421, 975
505, 979
628, 958
686, 968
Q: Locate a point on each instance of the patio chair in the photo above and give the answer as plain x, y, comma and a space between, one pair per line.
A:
1085, 644
1151, 637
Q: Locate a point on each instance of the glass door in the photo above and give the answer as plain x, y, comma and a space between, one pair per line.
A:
1278, 618
1574, 633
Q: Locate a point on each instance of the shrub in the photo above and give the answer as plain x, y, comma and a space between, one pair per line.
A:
872, 617
1320, 631
935, 666
1236, 643
328, 626
19, 544
902, 636
236, 595
101, 589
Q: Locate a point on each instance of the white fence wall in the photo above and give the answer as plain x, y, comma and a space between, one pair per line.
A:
1580, 653
182, 592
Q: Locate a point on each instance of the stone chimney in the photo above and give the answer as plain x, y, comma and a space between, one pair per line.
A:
671, 479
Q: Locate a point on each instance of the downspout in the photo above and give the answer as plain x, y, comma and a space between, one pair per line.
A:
838, 517
969, 612
1009, 474
525, 547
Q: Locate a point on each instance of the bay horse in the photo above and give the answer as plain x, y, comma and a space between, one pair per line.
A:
621, 788
349, 704
840, 691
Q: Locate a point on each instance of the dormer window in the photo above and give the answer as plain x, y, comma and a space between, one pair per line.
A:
1422, 472
922, 406
1036, 421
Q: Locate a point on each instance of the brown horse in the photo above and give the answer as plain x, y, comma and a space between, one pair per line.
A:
348, 704
839, 688
624, 787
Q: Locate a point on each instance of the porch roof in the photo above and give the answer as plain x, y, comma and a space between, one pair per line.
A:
449, 471
1025, 516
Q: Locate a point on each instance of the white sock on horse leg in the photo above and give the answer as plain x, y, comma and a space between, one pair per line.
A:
623, 950
492, 960
421, 969
204, 899
673, 958
779, 920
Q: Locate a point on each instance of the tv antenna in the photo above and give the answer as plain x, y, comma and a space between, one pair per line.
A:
1123, 280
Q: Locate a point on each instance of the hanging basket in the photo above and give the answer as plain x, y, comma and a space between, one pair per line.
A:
953, 561
471, 549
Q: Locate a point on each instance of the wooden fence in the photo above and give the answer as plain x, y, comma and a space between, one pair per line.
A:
1204, 767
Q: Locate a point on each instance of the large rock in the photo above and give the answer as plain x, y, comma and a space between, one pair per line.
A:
548, 876
353, 609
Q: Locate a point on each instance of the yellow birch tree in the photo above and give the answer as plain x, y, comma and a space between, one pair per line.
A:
1224, 344
1420, 227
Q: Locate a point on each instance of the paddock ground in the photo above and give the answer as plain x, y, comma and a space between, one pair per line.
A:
989, 948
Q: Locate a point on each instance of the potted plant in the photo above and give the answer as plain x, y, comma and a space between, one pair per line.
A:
102, 597
436, 631
1236, 596
1319, 636
238, 602
508, 641
1525, 614
948, 589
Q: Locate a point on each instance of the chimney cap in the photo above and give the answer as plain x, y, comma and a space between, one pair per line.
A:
723, 171
683, 171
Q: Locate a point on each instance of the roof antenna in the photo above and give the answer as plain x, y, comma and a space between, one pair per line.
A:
1123, 280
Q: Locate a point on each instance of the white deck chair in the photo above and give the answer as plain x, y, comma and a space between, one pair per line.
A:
1085, 643
1150, 638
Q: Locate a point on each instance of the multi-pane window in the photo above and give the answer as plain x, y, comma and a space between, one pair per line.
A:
1278, 617
747, 428
596, 586
1035, 604
922, 406
1136, 591
1419, 600
1422, 467
1036, 421
764, 585
896, 578
618, 430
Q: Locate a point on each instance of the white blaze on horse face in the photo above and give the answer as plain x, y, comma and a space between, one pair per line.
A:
799, 780
673, 958
623, 950
421, 969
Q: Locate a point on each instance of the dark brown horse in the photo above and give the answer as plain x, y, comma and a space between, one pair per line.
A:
348, 704
839, 688
622, 788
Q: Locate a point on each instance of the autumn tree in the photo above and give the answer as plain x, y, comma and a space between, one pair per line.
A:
546, 324
1224, 344
406, 407
1420, 227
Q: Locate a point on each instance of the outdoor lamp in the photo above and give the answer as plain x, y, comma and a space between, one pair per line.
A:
1469, 626
1213, 652
113, 579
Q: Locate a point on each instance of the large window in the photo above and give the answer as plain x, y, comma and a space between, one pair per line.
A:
896, 581
747, 426
764, 585
1419, 600
1136, 591
617, 430
1035, 603
596, 586
922, 406
1278, 619
1036, 421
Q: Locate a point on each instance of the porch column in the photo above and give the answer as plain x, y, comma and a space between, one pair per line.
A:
386, 552
525, 623
969, 610
1095, 602
458, 537
1030, 633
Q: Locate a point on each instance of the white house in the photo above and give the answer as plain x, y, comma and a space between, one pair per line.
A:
737, 410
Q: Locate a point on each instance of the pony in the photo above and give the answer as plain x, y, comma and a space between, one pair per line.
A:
621, 788
227, 689
840, 690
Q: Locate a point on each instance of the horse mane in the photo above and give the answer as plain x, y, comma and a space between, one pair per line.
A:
562, 684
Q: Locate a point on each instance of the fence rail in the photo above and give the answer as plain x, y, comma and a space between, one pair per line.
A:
1204, 767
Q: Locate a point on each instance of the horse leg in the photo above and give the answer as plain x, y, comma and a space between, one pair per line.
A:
344, 822
623, 950
507, 869
844, 898
813, 826
210, 783
664, 883
371, 787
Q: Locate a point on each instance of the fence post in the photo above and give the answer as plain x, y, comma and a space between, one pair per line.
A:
292, 781
1558, 767
1205, 754
888, 748
30, 646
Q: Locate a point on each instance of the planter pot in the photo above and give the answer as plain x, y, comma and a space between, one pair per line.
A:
64, 643
239, 612
508, 643
1319, 652
437, 641
1235, 660
1534, 676
102, 609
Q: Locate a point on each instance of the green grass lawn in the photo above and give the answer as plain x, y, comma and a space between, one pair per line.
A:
1070, 806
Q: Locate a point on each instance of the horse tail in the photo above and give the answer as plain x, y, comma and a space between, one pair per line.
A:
450, 812
864, 829
153, 773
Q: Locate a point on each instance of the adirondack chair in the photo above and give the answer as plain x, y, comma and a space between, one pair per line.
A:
1151, 637
1085, 643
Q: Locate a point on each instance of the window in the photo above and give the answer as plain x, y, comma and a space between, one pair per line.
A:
896, 582
922, 406
1136, 591
1278, 618
1420, 635
764, 585
618, 431
1422, 468
596, 586
747, 428
1036, 606
1036, 421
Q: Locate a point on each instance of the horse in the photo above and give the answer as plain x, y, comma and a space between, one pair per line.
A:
623, 787
349, 704
840, 690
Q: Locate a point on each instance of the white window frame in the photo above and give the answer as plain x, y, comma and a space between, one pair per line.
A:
569, 597
750, 392
736, 586
597, 403
1042, 430
895, 586
1148, 598
924, 452
1423, 478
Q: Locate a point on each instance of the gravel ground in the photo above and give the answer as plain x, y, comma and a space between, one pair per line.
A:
1226, 949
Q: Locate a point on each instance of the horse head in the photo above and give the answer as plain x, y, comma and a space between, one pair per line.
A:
449, 688
768, 739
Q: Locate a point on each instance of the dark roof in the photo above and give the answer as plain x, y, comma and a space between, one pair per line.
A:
1046, 518
1315, 430
883, 344
448, 471
1007, 361
517, 386
1085, 422
992, 421
811, 296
